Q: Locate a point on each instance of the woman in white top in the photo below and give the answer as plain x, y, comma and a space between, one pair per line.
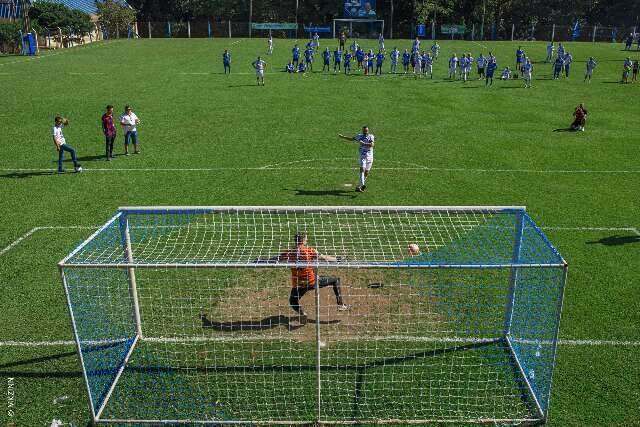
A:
129, 120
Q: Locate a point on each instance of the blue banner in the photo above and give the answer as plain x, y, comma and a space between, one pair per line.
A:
576, 31
363, 9
317, 29
422, 30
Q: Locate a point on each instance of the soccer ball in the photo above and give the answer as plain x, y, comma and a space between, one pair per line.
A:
413, 249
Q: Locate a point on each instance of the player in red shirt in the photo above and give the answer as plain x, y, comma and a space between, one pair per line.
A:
304, 279
580, 118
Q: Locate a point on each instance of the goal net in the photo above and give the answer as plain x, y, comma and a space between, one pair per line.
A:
186, 315
358, 28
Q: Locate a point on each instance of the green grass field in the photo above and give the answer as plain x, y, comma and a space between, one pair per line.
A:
211, 139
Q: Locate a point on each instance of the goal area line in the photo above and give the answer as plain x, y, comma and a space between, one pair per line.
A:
444, 340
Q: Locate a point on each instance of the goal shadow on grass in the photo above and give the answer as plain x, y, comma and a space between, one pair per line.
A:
259, 324
615, 240
340, 193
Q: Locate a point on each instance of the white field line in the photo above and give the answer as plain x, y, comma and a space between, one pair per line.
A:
481, 45
35, 229
198, 339
298, 168
33, 58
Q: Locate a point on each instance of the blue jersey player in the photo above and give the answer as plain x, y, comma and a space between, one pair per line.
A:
295, 52
347, 63
226, 61
326, 57
337, 59
379, 62
406, 59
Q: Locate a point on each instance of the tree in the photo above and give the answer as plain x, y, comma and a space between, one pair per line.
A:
55, 15
115, 17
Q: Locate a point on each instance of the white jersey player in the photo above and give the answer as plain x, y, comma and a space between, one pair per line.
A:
270, 45
591, 64
527, 71
259, 65
366, 141
381, 42
453, 65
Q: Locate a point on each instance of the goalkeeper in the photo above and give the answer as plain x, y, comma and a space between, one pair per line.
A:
304, 279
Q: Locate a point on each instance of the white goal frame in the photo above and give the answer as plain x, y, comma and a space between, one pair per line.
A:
351, 21
131, 265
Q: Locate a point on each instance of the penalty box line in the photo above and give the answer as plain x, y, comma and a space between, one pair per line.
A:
204, 339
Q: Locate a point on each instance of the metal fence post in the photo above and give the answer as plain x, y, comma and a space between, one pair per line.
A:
189, 29
149, 27
593, 38
513, 30
553, 32
209, 28
229, 21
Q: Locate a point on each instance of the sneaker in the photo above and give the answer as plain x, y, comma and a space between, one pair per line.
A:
344, 307
78, 169
359, 189
582, 129
364, 187
136, 152
126, 154
60, 170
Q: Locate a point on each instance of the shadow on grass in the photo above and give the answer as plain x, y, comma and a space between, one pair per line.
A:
341, 193
569, 129
615, 240
259, 324
27, 174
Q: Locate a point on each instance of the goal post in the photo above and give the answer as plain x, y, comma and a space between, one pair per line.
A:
358, 28
186, 315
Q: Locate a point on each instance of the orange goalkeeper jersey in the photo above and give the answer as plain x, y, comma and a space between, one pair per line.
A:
301, 276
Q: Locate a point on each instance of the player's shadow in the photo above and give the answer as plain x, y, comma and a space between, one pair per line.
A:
569, 129
615, 240
27, 174
258, 324
339, 193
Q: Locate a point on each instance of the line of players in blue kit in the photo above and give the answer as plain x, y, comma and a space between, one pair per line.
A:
417, 61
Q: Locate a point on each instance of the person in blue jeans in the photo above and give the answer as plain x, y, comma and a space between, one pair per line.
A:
129, 121
62, 146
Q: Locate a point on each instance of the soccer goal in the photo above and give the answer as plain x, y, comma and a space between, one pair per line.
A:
358, 28
183, 315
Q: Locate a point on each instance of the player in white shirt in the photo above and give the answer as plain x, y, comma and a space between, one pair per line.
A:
591, 64
527, 71
381, 42
62, 146
270, 45
354, 47
453, 64
316, 41
129, 121
366, 141
550, 49
416, 45
417, 70
259, 65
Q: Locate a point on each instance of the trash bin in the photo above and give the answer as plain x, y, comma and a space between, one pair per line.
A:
30, 44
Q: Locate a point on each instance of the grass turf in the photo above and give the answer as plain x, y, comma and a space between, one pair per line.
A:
211, 139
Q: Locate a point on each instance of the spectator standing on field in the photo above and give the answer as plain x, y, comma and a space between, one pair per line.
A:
109, 130
62, 146
129, 122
